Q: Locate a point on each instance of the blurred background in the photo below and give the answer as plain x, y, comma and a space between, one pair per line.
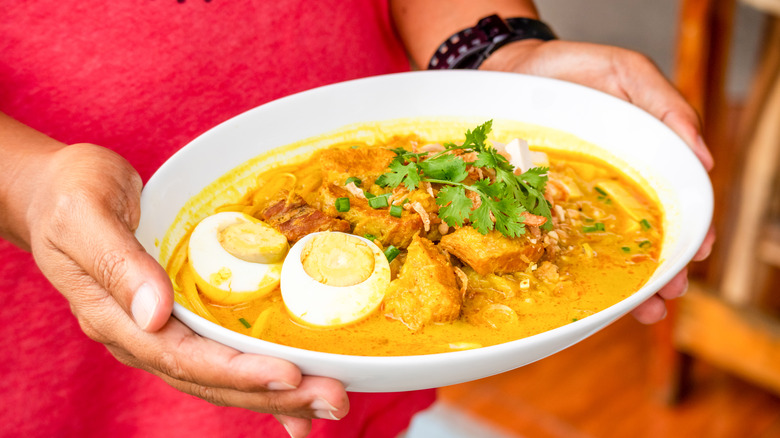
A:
712, 367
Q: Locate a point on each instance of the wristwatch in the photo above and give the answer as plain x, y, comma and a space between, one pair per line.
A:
470, 47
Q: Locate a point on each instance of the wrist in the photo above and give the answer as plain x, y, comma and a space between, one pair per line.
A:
512, 56
23, 178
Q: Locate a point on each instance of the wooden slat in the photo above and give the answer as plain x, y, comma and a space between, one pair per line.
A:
769, 250
755, 194
740, 340
768, 6
693, 51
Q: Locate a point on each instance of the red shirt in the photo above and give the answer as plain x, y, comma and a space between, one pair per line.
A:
143, 78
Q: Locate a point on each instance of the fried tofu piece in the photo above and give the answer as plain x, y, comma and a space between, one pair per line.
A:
492, 253
390, 230
365, 163
295, 218
426, 290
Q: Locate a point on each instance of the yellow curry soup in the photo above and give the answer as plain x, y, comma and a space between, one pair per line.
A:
452, 287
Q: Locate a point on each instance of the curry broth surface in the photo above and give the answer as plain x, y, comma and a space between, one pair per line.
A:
609, 270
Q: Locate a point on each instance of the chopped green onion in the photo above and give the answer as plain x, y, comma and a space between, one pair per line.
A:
342, 204
645, 244
369, 195
378, 202
246, 324
574, 319
645, 224
370, 237
391, 253
354, 179
354, 147
598, 226
600, 190
396, 210
626, 249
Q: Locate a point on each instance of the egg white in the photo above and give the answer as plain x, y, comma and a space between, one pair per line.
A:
320, 305
221, 276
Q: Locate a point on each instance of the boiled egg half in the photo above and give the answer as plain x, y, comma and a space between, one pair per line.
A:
331, 279
235, 257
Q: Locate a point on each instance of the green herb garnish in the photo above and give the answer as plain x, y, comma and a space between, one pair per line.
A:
370, 237
245, 322
396, 210
342, 205
598, 226
645, 224
353, 179
502, 200
378, 201
645, 244
391, 253
625, 249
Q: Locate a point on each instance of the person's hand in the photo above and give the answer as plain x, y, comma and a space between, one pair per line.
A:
629, 76
80, 221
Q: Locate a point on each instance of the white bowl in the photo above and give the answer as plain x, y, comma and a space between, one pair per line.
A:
627, 134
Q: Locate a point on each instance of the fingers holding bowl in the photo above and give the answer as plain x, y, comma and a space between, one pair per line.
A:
226, 377
654, 309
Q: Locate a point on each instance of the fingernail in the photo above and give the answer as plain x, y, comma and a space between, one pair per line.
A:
707, 159
280, 386
144, 304
685, 287
323, 404
288, 430
704, 251
325, 415
323, 409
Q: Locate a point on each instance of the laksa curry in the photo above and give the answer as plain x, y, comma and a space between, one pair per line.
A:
410, 247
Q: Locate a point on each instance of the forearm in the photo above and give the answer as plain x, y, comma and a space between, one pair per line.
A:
424, 24
24, 153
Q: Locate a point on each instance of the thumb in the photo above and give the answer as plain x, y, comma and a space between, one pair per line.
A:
151, 302
135, 279
106, 249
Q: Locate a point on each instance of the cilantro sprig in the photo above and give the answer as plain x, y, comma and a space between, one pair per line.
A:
502, 200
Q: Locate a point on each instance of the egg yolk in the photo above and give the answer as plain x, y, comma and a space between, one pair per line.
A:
337, 259
253, 242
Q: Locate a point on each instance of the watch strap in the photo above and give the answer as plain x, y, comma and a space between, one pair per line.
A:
469, 48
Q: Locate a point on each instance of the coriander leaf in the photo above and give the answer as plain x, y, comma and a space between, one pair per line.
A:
478, 136
408, 173
508, 217
489, 188
455, 205
402, 155
444, 167
480, 217
536, 177
528, 188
